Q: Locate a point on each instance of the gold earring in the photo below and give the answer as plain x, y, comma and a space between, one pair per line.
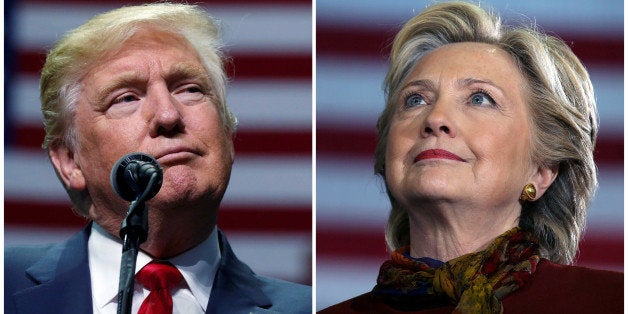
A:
528, 193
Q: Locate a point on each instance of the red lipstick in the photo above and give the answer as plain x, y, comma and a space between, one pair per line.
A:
437, 153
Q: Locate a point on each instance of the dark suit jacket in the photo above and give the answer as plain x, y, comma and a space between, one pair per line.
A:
55, 279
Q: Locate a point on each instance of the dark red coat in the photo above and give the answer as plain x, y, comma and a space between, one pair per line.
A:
554, 289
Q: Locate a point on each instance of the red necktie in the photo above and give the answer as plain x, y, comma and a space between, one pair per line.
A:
159, 278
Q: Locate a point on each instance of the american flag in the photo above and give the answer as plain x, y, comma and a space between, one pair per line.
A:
267, 210
352, 43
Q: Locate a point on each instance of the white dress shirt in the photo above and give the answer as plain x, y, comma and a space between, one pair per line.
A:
198, 267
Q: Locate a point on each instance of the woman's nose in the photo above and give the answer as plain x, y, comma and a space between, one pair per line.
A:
439, 121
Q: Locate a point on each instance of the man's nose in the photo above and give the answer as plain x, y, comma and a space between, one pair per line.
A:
165, 116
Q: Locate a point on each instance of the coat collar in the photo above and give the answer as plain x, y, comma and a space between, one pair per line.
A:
237, 289
66, 286
62, 280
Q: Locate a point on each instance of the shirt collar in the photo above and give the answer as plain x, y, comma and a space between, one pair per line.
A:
197, 265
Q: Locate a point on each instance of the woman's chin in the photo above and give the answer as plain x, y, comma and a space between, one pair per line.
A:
430, 193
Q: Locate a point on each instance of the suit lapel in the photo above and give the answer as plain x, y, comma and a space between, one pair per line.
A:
236, 288
62, 282
61, 278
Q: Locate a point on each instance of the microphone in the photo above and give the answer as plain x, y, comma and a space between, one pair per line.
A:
132, 175
136, 177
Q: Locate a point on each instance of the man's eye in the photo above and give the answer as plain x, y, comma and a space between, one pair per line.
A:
194, 89
125, 99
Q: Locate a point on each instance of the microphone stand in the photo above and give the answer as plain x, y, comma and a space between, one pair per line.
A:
134, 231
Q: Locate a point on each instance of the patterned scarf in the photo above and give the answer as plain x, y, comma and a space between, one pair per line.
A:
475, 282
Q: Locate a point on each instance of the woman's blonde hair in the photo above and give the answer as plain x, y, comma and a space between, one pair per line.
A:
82, 48
563, 115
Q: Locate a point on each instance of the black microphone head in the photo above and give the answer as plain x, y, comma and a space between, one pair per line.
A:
131, 174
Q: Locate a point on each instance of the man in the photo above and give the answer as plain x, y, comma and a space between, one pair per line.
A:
141, 79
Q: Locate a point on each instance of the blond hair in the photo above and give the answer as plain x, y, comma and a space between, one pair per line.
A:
563, 116
82, 48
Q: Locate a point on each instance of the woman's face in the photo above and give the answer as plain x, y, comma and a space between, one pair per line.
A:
460, 132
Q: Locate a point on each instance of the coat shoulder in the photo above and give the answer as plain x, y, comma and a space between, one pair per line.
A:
17, 259
287, 296
564, 289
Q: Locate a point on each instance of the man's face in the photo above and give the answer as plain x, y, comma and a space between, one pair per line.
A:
152, 96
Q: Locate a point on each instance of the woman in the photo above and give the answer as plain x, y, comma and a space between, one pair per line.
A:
486, 148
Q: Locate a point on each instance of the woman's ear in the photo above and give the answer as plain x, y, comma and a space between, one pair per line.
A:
543, 178
66, 166
231, 151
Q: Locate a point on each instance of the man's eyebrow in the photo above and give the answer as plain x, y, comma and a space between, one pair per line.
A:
128, 78
184, 71
133, 78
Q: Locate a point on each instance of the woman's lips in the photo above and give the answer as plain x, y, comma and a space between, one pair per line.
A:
438, 154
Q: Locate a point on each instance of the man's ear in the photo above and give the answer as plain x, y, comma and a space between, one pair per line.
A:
543, 178
66, 166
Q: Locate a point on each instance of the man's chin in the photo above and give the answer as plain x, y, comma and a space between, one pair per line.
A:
172, 199
181, 199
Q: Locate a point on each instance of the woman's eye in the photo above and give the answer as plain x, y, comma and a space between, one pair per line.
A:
482, 99
414, 100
